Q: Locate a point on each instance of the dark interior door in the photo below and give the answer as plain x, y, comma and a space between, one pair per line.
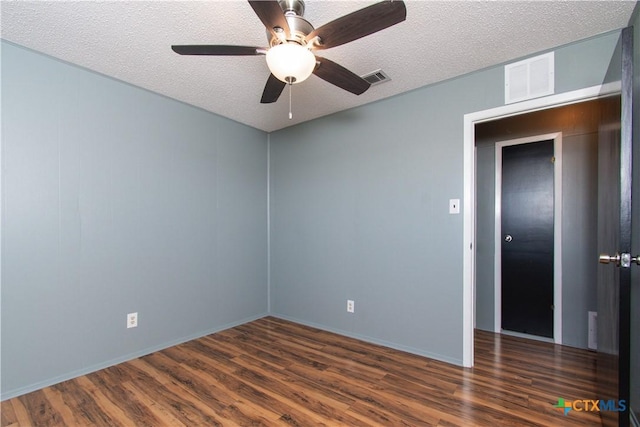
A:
608, 242
614, 244
527, 238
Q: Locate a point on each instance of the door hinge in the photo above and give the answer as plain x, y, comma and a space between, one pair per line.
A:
626, 260
553, 159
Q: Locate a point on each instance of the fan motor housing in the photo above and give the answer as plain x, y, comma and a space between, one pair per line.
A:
299, 27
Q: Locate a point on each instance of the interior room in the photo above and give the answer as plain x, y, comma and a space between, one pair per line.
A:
335, 253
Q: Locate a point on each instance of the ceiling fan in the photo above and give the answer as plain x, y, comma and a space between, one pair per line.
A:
292, 39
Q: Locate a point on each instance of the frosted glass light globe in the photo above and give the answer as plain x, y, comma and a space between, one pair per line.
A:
291, 62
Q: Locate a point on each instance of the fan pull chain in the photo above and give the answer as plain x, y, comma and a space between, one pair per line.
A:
290, 113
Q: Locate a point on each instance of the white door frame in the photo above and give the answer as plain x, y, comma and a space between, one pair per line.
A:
557, 230
469, 171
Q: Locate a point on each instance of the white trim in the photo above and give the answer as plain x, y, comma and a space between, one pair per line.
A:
469, 172
557, 240
474, 301
269, 223
468, 246
557, 230
2, 205
497, 250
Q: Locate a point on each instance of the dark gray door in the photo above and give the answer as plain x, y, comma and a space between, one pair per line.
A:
614, 244
527, 238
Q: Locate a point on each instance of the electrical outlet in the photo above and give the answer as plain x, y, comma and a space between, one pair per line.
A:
351, 306
132, 320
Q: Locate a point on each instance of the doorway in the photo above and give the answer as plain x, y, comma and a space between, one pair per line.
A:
471, 155
576, 130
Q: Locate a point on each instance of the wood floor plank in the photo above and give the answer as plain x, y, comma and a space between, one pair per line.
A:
201, 385
251, 391
65, 405
337, 399
272, 372
85, 409
367, 394
128, 402
22, 416
156, 407
7, 415
379, 417
324, 352
283, 351
266, 354
157, 387
56, 400
108, 406
40, 409
190, 408
298, 395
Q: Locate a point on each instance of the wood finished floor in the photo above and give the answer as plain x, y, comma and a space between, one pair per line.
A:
271, 372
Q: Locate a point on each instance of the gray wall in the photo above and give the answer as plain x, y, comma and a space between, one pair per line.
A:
635, 272
359, 209
117, 200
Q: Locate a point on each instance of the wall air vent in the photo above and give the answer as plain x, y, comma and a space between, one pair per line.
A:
528, 79
376, 77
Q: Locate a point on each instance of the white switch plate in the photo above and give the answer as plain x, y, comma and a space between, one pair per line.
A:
454, 206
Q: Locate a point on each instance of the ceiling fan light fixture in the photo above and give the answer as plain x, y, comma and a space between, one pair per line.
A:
291, 62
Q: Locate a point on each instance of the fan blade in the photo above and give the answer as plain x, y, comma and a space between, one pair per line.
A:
272, 90
359, 24
220, 49
271, 15
338, 75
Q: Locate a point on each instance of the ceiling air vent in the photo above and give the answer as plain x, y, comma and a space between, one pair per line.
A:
376, 77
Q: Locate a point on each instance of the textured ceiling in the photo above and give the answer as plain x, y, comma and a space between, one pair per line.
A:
130, 41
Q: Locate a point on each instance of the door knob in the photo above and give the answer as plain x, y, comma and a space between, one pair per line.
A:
606, 259
508, 238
